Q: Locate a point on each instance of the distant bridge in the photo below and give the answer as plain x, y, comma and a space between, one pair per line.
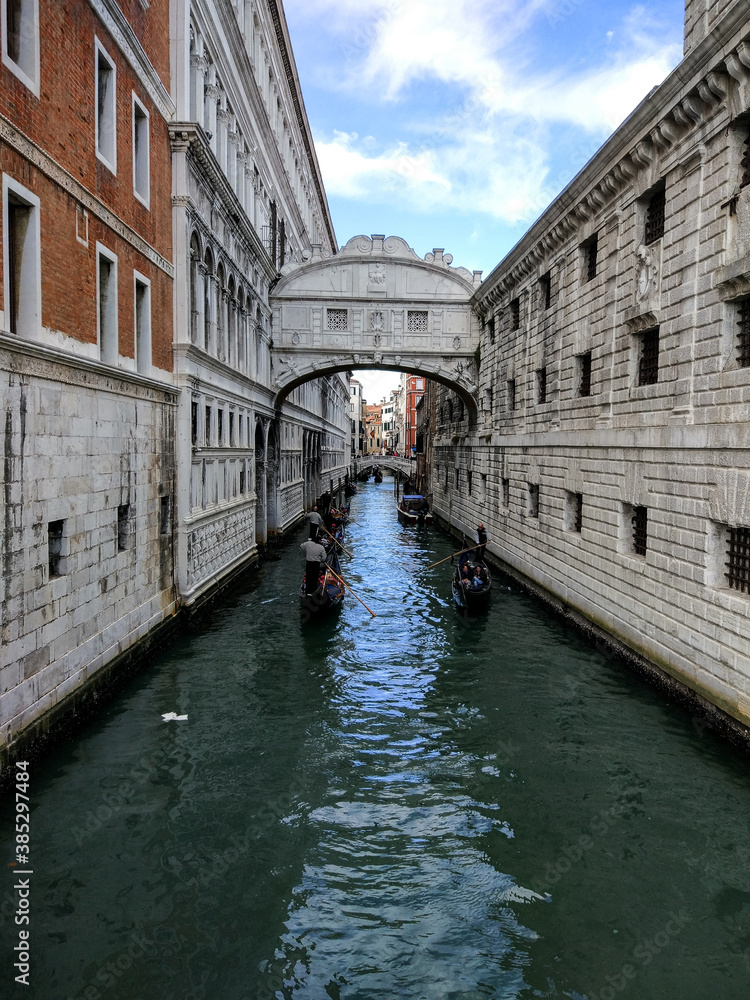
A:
403, 465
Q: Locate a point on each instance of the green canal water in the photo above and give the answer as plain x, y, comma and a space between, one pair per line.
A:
411, 806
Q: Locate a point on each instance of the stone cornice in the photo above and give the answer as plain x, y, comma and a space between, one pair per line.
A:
292, 81
118, 27
28, 357
681, 104
59, 175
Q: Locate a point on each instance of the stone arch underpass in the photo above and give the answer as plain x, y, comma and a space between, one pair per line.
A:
376, 304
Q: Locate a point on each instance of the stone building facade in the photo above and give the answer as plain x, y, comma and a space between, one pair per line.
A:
610, 459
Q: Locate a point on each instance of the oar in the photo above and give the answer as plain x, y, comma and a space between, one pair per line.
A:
452, 556
341, 580
335, 540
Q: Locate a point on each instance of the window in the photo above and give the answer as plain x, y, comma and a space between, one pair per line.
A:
532, 506
738, 559
515, 314
22, 271
106, 109
142, 323
511, 390
655, 216
106, 293
20, 28
141, 153
590, 249
55, 533
458, 478
574, 512
489, 399
337, 319
505, 487
491, 329
242, 479
231, 429
416, 322
639, 520
208, 426
541, 385
584, 374
123, 527
194, 423
468, 481
165, 515
745, 160
220, 426
648, 362
743, 335
545, 290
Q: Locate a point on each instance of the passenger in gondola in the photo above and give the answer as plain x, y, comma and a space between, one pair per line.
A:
315, 557
476, 581
465, 575
482, 540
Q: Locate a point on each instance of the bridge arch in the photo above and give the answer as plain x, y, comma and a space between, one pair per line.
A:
376, 305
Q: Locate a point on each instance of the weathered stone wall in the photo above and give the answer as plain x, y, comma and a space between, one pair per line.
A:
579, 433
93, 454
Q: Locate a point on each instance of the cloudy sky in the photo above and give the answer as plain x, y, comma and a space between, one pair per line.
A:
453, 123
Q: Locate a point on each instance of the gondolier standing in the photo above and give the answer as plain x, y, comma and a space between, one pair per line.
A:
315, 522
482, 540
315, 556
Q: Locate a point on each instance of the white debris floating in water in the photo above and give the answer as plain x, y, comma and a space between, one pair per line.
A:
173, 717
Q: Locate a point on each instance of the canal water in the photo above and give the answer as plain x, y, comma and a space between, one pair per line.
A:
409, 806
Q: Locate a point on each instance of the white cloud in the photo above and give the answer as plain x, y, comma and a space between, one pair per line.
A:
490, 152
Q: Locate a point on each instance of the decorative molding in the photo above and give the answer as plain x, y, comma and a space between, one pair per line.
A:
118, 27
58, 175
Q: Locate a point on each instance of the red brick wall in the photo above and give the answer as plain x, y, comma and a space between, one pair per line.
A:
62, 121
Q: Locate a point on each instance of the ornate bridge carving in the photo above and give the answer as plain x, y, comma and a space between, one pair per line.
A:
375, 304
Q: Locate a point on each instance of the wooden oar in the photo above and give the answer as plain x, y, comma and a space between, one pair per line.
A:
335, 540
334, 573
452, 556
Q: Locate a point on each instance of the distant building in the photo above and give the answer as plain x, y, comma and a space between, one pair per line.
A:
373, 429
357, 416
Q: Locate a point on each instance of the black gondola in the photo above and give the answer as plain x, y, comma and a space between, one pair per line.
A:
350, 489
378, 477
329, 593
467, 592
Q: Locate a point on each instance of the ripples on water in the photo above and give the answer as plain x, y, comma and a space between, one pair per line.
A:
410, 806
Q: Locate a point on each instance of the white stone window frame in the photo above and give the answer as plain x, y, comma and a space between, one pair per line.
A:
107, 156
30, 317
107, 326
27, 69
141, 152
142, 342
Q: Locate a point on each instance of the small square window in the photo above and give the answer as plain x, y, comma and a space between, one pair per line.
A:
584, 374
338, 319
416, 321
648, 362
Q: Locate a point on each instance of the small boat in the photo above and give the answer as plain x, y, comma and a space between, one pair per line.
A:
329, 593
378, 477
414, 509
467, 592
364, 475
350, 489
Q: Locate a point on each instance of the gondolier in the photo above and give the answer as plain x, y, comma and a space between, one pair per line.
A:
482, 540
315, 556
315, 521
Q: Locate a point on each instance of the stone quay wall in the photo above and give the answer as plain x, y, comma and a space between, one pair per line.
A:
611, 458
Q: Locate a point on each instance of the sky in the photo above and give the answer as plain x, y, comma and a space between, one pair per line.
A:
454, 123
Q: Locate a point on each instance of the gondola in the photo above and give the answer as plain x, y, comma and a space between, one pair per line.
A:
350, 489
378, 477
329, 593
364, 475
414, 509
467, 595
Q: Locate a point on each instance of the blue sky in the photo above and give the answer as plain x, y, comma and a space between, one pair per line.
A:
453, 123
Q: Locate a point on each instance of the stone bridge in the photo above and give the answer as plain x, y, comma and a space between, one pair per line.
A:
404, 465
376, 304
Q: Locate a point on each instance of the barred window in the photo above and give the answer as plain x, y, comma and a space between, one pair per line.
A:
505, 484
416, 321
545, 290
648, 363
515, 314
491, 329
541, 385
655, 216
745, 161
640, 530
337, 319
511, 387
743, 337
738, 559
584, 365
590, 250
533, 504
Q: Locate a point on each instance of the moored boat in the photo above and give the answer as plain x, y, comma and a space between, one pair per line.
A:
472, 582
378, 477
413, 508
